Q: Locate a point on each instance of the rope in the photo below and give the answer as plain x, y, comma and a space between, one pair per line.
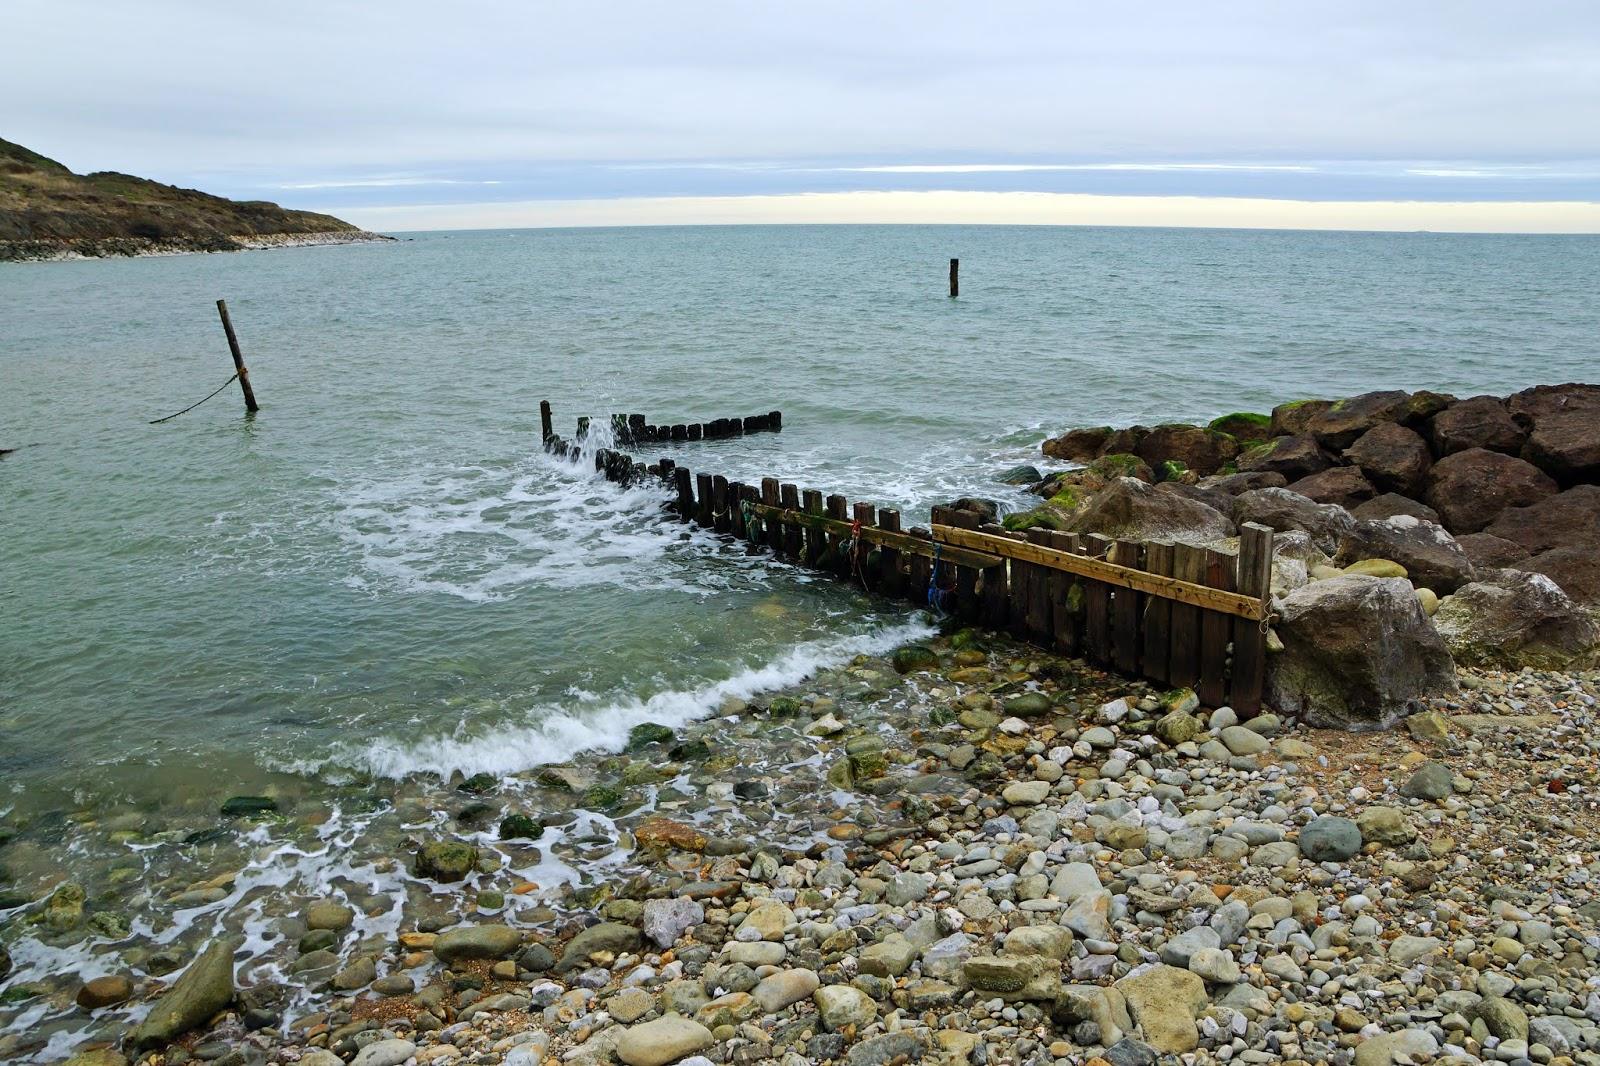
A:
937, 596
752, 524
857, 550
192, 406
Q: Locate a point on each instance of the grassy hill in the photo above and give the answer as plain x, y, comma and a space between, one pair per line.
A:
47, 212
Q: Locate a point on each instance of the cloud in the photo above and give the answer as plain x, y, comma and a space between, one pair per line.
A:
1003, 208
379, 183
1023, 168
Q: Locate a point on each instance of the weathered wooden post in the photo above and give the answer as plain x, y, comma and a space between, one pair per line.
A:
238, 358
955, 278
546, 428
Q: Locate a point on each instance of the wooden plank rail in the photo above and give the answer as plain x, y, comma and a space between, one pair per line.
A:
1172, 588
1177, 614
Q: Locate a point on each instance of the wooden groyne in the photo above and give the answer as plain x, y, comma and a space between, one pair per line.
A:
634, 429
1175, 614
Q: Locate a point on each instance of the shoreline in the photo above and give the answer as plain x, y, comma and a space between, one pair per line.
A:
889, 836
143, 247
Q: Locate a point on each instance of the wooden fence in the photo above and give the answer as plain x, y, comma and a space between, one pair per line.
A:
1176, 614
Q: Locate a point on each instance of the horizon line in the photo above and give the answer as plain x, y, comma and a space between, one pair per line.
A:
1019, 208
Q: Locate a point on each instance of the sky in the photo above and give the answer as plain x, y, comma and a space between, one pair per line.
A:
407, 115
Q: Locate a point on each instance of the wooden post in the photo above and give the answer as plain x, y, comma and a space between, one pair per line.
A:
705, 512
891, 579
685, 493
238, 358
811, 503
720, 519
955, 278
1250, 638
546, 429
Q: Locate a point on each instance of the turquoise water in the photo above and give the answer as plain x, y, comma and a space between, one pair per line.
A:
381, 574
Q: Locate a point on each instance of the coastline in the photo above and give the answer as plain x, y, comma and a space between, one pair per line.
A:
143, 247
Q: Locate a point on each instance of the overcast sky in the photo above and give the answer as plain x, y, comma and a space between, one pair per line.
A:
418, 114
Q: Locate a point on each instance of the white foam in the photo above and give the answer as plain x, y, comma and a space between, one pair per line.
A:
558, 733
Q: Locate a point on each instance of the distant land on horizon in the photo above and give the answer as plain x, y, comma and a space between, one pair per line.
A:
48, 212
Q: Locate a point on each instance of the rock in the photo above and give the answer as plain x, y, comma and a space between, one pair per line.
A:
1469, 489
1330, 839
1202, 450
1129, 508
1164, 1002
1341, 485
1026, 793
664, 834
359, 974
1294, 458
1179, 727
1385, 825
105, 992
1431, 556
1503, 1018
384, 1053
629, 1005
1078, 445
1575, 569
1406, 949
329, 914
667, 1039
203, 990
1028, 705
1243, 426
1376, 568
645, 734
1393, 458
1242, 740
1215, 965
784, 988
245, 806
1477, 422
520, 827
1390, 504
613, 937
1565, 520
112, 1057
1345, 421
1564, 429
1430, 781
842, 1006
770, 919
665, 920
1490, 552
64, 909
447, 860
1357, 652
913, 657
889, 957
1049, 941
1014, 977
905, 888
476, 942
1020, 475
1178, 950
1293, 419
1285, 511
1511, 618
886, 1050
1385, 1048
1233, 484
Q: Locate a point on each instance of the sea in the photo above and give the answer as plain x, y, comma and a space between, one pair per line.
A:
380, 576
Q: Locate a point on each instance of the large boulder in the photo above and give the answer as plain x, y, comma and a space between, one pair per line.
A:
1394, 458
1392, 503
1165, 1001
1342, 485
1233, 484
1432, 557
1566, 520
1469, 489
1479, 422
1357, 653
1129, 508
203, 990
1077, 445
1576, 570
1512, 619
1243, 426
1294, 419
1563, 424
1293, 457
1490, 552
1284, 511
1344, 421
1204, 451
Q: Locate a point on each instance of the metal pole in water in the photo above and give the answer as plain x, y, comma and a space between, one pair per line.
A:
238, 357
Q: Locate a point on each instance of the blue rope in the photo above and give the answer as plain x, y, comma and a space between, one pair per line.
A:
937, 597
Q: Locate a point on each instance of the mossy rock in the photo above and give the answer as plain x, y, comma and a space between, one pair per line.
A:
520, 827
1067, 499
552, 780
1243, 425
784, 707
447, 860
690, 750
602, 797
1171, 470
940, 717
479, 784
1038, 518
243, 806
914, 657
965, 638
1121, 464
646, 733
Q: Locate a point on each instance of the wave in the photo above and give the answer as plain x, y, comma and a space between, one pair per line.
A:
559, 733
